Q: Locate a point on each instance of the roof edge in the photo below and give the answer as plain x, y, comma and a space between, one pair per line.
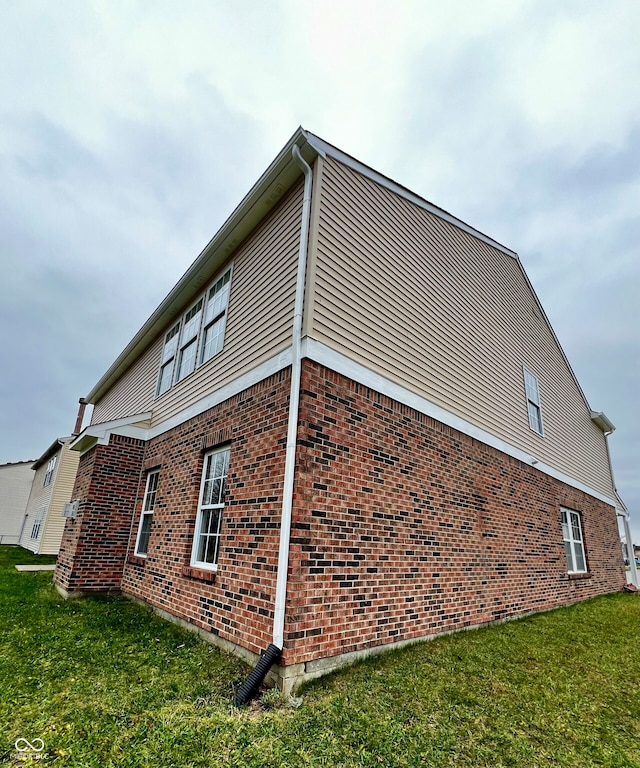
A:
276, 180
324, 148
50, 451
600, 420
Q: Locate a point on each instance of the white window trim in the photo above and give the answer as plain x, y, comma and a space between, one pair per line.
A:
181, 344
147, 512
51, 468
567, 537
199, 516
533, 398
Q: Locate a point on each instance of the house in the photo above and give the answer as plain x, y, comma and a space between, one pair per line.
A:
51, 489
15, 484
348, 426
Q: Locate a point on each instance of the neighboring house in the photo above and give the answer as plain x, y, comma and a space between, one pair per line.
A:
55, 474
348, 426
15, 485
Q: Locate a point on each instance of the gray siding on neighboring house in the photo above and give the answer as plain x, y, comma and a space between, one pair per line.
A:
449, 317
15, 486
259, 323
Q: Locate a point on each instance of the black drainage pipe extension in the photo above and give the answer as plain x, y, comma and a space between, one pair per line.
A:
252, 683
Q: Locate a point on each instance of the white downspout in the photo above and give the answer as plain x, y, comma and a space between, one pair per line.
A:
630, 552
294, 398
625, 520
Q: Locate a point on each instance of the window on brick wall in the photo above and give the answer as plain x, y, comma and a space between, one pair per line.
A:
51, 468
534, 408
148, 506
206, 540
198, 336
573, 542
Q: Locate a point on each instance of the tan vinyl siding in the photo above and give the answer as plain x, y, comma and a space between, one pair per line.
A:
53, 527
135, 391
416, 299
259, 323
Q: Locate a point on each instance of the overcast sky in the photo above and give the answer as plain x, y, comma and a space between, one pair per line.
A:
130, 130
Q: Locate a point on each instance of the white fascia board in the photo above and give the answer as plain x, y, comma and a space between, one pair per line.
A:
323, 148
246, 380
335, 361
99, 434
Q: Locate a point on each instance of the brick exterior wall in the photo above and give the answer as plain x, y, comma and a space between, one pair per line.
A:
94, 545
236, 603
404, 527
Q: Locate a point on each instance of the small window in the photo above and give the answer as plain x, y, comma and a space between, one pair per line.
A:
37, 524
534, 408
148, 505
573, 543
51, 468
206, 541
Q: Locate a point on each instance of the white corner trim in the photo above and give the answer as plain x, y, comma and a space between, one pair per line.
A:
330, 358
246, 380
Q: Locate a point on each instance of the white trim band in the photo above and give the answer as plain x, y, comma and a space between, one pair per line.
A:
329, 358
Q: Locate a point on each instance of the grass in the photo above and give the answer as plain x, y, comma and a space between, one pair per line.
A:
104, 682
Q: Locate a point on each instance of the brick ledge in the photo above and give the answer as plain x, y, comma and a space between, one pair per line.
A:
577, 576
199, 573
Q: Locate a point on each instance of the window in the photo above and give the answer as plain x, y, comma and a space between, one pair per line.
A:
573, 545
37, 524
168, 357
51, 468
189, 341
148, 505
206, 541
215, 318
197, 337
533, 401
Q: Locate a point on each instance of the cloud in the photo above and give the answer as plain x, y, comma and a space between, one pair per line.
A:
128, 134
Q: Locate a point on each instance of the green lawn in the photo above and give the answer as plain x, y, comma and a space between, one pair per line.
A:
104, 682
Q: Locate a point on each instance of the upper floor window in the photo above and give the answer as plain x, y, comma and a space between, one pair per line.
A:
197, 337
215, 316
189, 341
168, 357
51, 468
148, 506
573, 543
533, 401
206, 541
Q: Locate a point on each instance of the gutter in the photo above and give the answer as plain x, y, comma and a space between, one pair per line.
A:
274, 651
